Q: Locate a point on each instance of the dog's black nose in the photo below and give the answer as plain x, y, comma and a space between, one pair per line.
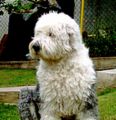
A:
36, 47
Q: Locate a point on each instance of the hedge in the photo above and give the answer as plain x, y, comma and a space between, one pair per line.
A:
102, 46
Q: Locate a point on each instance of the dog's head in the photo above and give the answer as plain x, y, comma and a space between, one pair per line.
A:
56, 35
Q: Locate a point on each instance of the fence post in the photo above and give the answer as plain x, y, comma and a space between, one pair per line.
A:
82, 15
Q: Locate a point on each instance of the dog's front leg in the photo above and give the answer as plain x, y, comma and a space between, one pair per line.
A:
91, 111
91, 114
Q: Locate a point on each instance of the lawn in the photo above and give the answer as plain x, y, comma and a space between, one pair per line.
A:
8, 112
107, 108
17, 77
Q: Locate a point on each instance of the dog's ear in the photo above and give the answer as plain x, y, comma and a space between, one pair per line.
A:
70, 30
71, 33
75, 38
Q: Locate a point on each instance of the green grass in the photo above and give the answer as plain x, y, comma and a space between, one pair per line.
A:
106, 91
8, 112
17, 77
107, 108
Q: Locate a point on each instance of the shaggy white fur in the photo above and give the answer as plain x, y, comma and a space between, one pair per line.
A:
65, 73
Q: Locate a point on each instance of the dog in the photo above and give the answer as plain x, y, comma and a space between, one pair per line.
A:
65, 72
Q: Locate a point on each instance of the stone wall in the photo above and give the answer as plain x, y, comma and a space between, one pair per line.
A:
104, 63
101, 63
19, 64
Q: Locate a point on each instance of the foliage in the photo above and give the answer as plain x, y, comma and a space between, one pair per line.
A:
21, 6
17, 77
16, 6
103, 44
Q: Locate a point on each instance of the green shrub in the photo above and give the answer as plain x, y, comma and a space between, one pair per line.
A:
102, 45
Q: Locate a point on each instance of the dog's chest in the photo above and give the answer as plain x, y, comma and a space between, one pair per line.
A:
61, 84
64, 88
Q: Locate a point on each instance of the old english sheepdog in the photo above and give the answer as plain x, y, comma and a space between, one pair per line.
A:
65, 72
